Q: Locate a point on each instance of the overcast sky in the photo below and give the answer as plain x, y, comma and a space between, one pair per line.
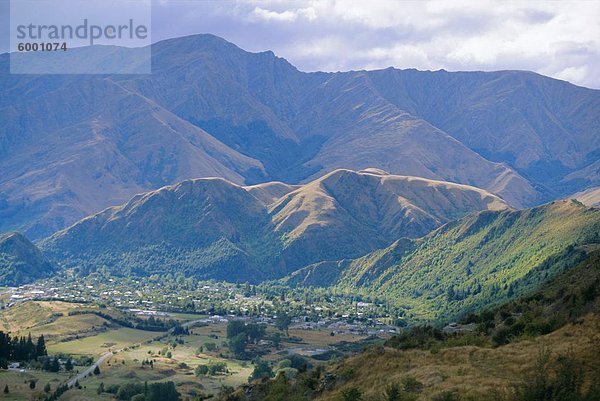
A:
556, 38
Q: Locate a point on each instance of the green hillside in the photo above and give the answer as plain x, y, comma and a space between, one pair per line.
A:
208, 228
564, 299
20, 261
485, 258
214, 229
542, 346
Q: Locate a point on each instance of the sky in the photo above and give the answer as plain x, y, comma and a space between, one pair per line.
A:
560, 39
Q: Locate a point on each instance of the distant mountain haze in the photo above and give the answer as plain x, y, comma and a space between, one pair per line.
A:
73, 145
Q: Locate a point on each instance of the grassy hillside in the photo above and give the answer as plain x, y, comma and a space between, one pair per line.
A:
60, 321
485, 258
562, 365
206, 228
560, 362
212, 228
474, 373
552, 351
346, 214
20, 261
269, 192
590, 197
565, 299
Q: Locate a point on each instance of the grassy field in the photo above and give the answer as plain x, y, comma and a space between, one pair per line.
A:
322, 338
98, 336
127, 365
18, 384
28, 315
186, 316
179, 368
111, 340
53, 321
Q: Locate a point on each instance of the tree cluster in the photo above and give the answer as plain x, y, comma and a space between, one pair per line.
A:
20, 349
239, 335
136, 391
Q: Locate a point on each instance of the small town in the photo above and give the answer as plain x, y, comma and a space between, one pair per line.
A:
212, 302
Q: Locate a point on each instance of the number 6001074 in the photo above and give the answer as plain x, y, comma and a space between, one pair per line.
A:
44, 47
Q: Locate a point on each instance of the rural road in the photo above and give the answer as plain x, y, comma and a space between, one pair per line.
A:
89, 370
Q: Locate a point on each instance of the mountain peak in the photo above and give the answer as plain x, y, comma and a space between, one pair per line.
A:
212, 109
200, 39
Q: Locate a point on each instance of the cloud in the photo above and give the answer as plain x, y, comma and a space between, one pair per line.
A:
556, 38
266, 15
285, 16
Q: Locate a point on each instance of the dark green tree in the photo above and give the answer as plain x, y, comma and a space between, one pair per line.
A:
261, 370
237, 345
283, 322
41, 346
162, 392
201, 370
51, 365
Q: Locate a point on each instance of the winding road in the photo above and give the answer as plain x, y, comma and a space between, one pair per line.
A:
90, 369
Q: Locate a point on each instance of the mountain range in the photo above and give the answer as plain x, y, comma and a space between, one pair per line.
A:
435, 249
214, 229
72, 145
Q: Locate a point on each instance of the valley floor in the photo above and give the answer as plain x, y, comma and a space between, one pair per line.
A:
174, 357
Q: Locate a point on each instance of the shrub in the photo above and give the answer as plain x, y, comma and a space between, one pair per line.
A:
351, 394
289, 373
261, 370
411, 384
201, 370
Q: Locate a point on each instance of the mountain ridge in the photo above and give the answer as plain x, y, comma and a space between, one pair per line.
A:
213, 228
211, 108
